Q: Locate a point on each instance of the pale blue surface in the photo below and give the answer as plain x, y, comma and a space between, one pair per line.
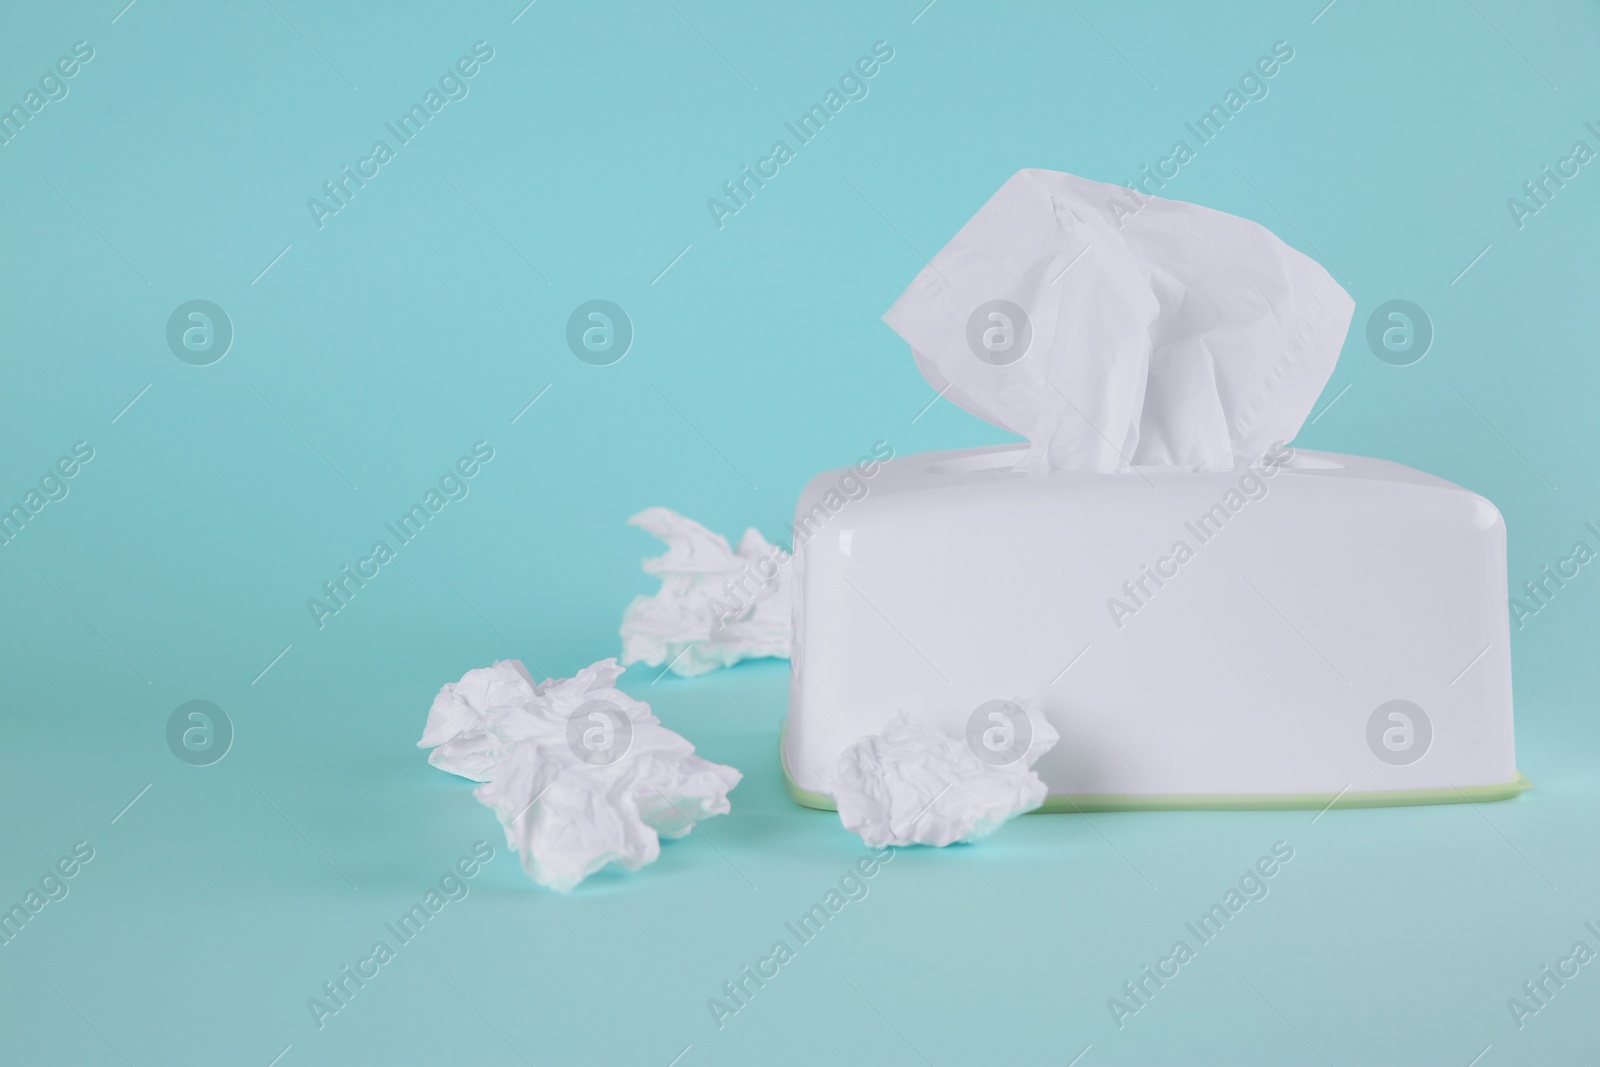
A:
408, 328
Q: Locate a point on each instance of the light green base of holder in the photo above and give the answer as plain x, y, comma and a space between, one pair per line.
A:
1382, 798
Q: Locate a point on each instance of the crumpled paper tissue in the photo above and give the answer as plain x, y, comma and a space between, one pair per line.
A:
580, 774
466, 723
1113, 329
913, 785
715, 607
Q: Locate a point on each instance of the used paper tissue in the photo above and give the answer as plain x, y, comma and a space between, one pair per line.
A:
466, 723
1209, 619
910, 784
580, 774
716, 606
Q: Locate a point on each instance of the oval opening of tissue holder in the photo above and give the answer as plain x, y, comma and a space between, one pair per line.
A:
1312, 630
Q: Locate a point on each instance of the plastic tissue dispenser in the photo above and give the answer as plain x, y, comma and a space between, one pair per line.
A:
1296, 631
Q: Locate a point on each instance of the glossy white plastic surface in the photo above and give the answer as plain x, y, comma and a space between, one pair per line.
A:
1255, 667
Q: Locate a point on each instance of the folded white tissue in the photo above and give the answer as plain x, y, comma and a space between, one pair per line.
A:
912, 785
716, 606
580, 774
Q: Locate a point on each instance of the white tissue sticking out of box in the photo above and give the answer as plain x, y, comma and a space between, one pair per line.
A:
913, 785
715, 606
1113, 329
580, 774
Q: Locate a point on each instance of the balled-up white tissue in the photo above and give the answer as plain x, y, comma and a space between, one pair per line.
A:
912, 785
566, 814
462, 724
715, 606
1152, 332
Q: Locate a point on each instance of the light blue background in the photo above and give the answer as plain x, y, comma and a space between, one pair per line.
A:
415, 323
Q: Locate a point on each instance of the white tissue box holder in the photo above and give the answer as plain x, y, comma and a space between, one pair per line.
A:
1339, 636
